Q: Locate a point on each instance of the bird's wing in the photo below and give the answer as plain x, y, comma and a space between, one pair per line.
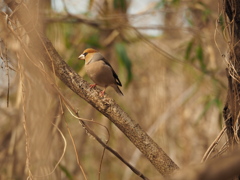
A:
114, 74
99, 57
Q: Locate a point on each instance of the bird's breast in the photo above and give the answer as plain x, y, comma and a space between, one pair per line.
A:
100, 73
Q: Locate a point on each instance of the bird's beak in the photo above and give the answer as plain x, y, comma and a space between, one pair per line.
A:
81, 57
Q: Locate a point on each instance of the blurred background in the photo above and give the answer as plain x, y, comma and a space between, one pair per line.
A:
169, 55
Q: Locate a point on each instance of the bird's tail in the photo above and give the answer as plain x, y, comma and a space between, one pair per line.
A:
117, 89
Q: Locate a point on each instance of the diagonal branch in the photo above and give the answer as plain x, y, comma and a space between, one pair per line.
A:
44, 50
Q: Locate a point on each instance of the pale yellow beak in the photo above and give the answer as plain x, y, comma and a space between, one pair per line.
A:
81, 57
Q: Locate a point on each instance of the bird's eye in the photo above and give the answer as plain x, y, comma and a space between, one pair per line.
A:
85, 53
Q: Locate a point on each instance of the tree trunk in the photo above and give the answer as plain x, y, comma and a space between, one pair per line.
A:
231, 111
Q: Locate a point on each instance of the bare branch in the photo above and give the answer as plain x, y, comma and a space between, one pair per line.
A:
213, 145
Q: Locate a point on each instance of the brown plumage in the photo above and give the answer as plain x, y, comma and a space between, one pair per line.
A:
100, 71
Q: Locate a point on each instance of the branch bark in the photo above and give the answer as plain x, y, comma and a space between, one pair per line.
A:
43, 48
231, 109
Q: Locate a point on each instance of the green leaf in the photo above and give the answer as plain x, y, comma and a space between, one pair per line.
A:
199, 52
218, 103
189, 50
206, 12
221, 22
200, 57
123, 57
120, 4
66, 172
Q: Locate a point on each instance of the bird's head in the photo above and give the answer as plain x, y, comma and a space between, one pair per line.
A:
86, 52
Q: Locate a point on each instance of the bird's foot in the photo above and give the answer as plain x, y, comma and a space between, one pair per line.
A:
101, 94
93, 85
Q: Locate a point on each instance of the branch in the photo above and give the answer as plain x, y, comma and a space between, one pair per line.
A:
213, 145
44, 50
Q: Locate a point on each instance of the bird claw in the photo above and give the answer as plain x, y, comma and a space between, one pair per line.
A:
93, 85
101, 94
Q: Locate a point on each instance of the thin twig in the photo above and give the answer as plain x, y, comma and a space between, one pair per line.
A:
8, 77
213, 145
5, 61
75, 149
222, 150
24, 121
100, 165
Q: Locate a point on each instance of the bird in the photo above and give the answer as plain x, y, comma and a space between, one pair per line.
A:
100, 71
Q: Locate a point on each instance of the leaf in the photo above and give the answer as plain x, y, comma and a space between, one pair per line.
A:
221, 22
66, 172
199, 52
200, 57
206, 12
189, 50
218, 103
123, 57
121, 5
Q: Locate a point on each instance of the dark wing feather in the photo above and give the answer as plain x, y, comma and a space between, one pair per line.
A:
114, 74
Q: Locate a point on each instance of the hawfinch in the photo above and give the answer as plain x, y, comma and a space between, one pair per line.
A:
100, 71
